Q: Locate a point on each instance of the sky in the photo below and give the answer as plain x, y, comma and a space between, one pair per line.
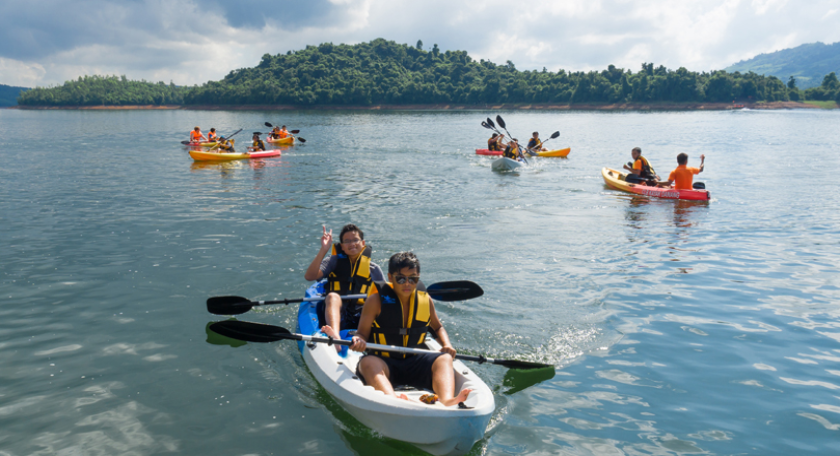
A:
47, 42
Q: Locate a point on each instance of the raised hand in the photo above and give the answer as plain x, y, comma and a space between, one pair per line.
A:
326, 239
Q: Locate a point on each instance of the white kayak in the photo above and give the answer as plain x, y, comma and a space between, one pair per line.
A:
506, 164
435, 429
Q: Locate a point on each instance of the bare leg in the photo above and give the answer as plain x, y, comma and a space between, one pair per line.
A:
377, 375
332, 312
443, 381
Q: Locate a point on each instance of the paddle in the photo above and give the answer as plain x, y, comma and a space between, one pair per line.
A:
487, 126
256, 332
292, 133
518, 147
226, 138
457, 290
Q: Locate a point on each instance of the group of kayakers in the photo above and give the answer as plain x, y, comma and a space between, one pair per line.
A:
643, 173
396, 312
511, 148
227, 144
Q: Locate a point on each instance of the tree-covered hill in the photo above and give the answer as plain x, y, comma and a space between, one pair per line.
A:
808, 64
9, 94
385, 72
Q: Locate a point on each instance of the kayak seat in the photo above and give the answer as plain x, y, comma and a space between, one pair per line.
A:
699, 186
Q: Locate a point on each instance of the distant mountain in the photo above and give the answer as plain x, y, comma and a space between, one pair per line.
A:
9, 94
808, 64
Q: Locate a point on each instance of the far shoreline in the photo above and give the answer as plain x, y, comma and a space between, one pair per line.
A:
653, 106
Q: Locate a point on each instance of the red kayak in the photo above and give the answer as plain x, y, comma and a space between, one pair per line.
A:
488, 152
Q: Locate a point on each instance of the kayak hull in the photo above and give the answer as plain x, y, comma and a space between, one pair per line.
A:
555, 153
488, 152
287, 141
435, 429
202, 144
506, 164
200, 155
616, 179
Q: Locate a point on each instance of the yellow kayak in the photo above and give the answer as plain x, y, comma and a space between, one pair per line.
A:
287, 141
200, 155
555, 153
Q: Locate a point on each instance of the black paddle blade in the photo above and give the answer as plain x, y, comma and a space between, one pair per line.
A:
490, 122
228, 305
555, 134
517, 380
269, 125
294, 132
301, 139
457, 290
484, 124
186, 143
524, 365
256, 133
501, 121
251, 332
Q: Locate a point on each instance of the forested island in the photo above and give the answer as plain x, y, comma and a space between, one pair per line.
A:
384, 72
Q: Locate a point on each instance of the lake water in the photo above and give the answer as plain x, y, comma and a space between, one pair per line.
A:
675, 327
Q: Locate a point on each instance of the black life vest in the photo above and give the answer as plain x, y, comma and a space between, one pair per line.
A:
647, 170
493, 143
258, 145
532, 143
389, 328
349, 278
511, 152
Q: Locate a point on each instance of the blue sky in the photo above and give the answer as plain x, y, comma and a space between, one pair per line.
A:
46, 42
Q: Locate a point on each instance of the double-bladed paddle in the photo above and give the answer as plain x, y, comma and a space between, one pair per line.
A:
518, 147
293, 133
553, 136
456, 290
256, 332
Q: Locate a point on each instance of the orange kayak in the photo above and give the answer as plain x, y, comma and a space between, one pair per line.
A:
616, 179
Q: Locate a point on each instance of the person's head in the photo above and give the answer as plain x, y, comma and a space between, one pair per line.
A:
636, 152
197, 129
222, 138
682, 159
404, 267
352, 239
536, 134
212, 130
494, 135
256, 136
284, 127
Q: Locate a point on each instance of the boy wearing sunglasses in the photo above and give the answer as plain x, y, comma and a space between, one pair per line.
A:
348, 270
397, 313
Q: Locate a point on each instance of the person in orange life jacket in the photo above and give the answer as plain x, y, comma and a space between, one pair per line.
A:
283, 133
349, 271
196, 136
387, 319
535, 144
495, 142
257, 145
641, 168
683, 176
212, 136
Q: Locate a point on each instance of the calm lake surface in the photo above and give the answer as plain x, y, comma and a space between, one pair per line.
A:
675, 327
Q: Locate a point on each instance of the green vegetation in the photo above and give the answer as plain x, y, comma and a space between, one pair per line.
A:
384, 72
808, 63
9, 94
104, 91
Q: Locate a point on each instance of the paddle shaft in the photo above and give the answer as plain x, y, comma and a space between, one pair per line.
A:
311, 299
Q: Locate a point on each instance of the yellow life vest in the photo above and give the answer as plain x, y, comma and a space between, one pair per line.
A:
349, 278
392, 328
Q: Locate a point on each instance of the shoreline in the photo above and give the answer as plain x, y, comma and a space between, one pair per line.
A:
654, 106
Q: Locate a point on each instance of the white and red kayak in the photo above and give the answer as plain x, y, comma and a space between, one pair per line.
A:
201, 155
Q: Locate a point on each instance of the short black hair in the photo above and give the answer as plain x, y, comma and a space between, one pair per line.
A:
402, 260
348, 228
637, 149
682, 159
494, 135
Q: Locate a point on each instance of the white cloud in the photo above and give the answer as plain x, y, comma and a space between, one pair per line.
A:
193, 41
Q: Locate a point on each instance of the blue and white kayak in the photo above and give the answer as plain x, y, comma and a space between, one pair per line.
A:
434, 428
506, 164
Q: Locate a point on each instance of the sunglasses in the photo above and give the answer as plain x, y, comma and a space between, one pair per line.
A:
400, 279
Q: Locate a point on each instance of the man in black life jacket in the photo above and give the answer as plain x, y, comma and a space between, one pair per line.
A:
397, 313
348, 271
641, 169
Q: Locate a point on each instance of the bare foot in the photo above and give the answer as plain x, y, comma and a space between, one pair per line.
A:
461, 397
327, 329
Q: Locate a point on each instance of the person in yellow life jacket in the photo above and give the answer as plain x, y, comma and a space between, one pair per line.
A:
257, 145
196, 136
495, 142
398, 313
512, 150
226, 145
683, 176
212, 136
349, 270
534, 144
640, 171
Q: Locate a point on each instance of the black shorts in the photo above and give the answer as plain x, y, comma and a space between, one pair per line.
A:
414, 371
